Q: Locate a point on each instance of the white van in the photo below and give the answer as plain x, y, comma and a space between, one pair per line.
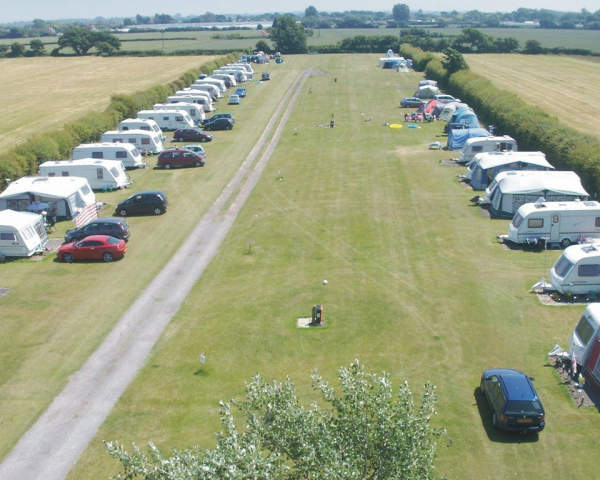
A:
21, 234
146, 142
195, 111
577, 270
561, 223
168, 119
141, 124
101, 174
128, 154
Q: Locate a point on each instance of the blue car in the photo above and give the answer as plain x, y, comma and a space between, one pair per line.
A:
513, 400
240, 92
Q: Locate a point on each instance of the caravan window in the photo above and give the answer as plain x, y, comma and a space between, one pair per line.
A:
100, 173
145, 127
562, 266
131, 140
535, 222
10, 236
51, 174
114, 171
97, 155
165, 118
85, 189
125, 127
179, 118
117, 140
597, 221
591, 270
65, 174
134, 152
121, 155
145, 141
517, 219
584, 330
477, 148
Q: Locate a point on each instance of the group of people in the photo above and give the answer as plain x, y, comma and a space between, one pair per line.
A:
419, 117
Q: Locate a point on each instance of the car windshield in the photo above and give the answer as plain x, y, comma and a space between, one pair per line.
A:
524, 407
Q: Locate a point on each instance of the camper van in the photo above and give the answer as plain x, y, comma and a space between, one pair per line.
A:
485, 166
561, 223
141, 124
146, 142
473, 146
228, 79
101, 174
168, 119
128, 154
190, 97
577, 270
195, 111
21, 234
511, 189
212, 90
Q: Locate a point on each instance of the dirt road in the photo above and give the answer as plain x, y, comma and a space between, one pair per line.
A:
50, 448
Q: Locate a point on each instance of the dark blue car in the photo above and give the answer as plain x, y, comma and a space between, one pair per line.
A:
513, 400
241, 92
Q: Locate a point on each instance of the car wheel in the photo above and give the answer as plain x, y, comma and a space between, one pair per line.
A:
565, 242
123, 212
167, 166
67, 257
107, 257
157, 211
229, 127
197, 164
176, 139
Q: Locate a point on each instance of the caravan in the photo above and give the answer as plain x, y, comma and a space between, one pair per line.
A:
195, 111
212, 90
238, 74
476, 145
128, 154
193, 96
561, 223
21, 234
101, 174
168, 119
140, 123
228, 79
220, 84
147, 142
577, 270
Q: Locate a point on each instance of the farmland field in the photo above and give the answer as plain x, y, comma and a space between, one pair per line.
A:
44, 93
566, 87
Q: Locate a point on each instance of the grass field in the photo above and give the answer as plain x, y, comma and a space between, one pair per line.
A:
417, 286
567, 87
40, 94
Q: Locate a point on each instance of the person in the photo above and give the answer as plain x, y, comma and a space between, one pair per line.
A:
331, 123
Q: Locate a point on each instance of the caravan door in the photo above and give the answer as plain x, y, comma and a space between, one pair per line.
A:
555, 228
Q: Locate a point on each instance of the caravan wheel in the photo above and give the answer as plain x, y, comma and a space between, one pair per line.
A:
565, 242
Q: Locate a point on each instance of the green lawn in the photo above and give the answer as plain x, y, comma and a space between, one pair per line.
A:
417, 286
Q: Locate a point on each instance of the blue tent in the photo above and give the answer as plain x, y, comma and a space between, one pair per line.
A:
458, 137
468, 118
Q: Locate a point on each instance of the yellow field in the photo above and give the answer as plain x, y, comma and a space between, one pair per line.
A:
39, 94
567, 87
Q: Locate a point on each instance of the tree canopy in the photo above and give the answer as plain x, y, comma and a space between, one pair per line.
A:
401, 12
81, 40
366, 430
288, 35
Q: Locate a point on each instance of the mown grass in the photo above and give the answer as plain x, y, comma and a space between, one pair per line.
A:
55, 314
566, 87
418, 286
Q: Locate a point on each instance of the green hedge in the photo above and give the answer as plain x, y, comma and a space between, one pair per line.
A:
26, 157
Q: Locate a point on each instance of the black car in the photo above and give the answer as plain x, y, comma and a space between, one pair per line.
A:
266, 76
191, 135
115, 227
221, 123
151, 202
221, 115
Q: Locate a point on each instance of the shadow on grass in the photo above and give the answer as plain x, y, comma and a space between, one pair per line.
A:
494, 434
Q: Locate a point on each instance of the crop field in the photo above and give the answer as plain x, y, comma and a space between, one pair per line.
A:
40, 94
566, 87
417, 285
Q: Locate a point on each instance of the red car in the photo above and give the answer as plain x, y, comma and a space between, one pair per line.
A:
94, 247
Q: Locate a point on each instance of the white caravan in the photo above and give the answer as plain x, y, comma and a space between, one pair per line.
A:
140, 123
220, 84
245, 67
21, 234
146, 142
101, 174
128, 154
195, 111
191, 97
228, 79
476, 145
168, 119
238, 74
67, 196
561, 223
577, 270
212, 90
585, 334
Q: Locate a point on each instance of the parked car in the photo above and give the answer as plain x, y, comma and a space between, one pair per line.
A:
445, 98
411, 102
202, 76
115, 227
179, 157
241, 92
278, 60
513, 400
191, 135
94, 247
266, 76
220, 123
221, 115
148, 202
195, 148
234, 100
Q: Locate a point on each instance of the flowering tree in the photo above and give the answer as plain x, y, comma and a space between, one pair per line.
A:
364, 431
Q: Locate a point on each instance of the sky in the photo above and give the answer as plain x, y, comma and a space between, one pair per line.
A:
27, 10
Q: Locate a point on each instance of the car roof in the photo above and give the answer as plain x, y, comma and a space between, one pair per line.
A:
105, 219
97, 238
517, 385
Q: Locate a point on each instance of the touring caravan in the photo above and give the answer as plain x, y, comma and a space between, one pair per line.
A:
128, 154
577, 270
220, 84
485, 166
585, 333
168, 119
473, 146
228, 79
191, 97
101, 174
195, 111
141, 123
238, 74
146, 142
561, 223
211, 89
247, 68
21, 234
67, 196
511, 189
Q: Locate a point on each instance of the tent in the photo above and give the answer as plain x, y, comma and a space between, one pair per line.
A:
511, 189
465, 117
458, 137
450, 108
65, 195
429, 107
487, 165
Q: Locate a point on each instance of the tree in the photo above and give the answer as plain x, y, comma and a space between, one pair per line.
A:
37, 48
311, 12
16, 50
262, 46
453, 61
81, 40
533, 47
401, 13
288, 35
365, 430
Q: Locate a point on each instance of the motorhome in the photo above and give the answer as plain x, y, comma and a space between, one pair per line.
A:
101, 174
195, 111
22, 234
561, 223
577, 270
168, 119
128, 154
146, 142
473, 146
141, 123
